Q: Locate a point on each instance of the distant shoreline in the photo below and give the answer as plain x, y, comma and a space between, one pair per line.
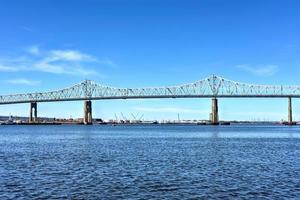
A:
163, 124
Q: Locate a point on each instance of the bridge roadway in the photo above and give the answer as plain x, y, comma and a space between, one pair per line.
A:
211, 87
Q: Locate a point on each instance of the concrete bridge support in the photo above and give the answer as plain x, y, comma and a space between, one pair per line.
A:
290, 111
214, 111
33, 112
87, 118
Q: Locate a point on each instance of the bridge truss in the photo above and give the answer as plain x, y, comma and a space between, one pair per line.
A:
212, 86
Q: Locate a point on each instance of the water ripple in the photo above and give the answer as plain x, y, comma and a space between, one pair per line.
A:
148, 163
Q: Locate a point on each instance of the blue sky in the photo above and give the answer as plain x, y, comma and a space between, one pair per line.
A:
46, 45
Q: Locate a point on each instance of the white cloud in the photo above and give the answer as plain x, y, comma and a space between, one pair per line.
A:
170, 110
34, 50
4, 68
106, 61
84, 71
22, 81
69, 62
69, 55
260, 70
50, 68
63, 69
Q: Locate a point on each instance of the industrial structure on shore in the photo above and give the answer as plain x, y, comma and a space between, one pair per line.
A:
213, 87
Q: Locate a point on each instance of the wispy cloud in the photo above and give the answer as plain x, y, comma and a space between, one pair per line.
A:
4, 68
106, 61
22, 81
170, 110
260, 70
69, 55
34, 50
50, 68
71, 62
26, 28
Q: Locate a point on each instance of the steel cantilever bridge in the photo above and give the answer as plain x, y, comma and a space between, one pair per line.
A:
211, 87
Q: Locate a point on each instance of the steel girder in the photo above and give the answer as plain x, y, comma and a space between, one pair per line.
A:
213, 86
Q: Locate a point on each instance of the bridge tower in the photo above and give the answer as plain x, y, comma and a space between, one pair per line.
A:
214, 111
33, 112
87, 111
290, 112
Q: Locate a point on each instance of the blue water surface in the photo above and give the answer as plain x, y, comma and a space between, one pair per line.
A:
149, 162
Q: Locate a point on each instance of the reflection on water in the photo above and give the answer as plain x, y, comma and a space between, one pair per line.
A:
144, 162
215, 132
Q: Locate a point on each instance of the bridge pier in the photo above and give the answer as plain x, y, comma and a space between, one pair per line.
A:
33, 112
290, 112
214, 115
87, 110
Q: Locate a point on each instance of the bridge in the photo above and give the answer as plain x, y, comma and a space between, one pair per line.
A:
211, 87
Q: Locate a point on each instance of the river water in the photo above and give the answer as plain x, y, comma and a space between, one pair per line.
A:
149, 162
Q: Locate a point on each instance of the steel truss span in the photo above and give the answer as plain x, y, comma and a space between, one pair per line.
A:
212, 86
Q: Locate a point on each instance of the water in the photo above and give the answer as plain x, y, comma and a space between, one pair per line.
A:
149, 162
